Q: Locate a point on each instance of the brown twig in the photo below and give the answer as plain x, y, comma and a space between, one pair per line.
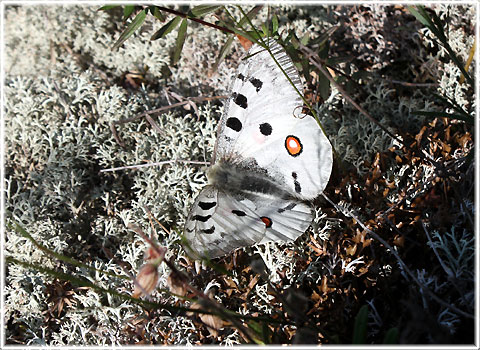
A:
404, 83
194, 162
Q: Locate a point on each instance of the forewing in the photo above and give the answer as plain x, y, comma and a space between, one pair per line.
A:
263, 125
260, 90
300, 158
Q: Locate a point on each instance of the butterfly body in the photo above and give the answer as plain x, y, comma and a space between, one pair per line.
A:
238, 179
269, 161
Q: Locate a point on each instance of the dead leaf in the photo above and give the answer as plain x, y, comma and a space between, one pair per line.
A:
351, 250
175, 285
419, 136
247, 44
147, 278
399, 241
213, 322
324, 286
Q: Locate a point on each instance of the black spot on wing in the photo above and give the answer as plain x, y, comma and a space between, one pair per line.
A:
257, 83
239, 213
201, 218
241, 76
234, 124
298, 188
227, 139
209, 231
288, 207
206, 205
240, 100
265, 129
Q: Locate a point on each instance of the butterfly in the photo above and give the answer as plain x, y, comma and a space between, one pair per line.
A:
269, 161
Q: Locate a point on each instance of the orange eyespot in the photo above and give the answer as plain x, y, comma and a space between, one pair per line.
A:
266, 221
293, 145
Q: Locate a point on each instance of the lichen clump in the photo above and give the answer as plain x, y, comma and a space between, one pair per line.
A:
64, 87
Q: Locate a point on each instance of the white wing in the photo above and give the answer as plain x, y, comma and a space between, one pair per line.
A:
286, 219
219, 223
259, 91
263, 123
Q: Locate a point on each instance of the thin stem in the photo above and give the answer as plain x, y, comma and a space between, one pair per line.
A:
183, 279
194, 162
184, 15
405, 83
58, 256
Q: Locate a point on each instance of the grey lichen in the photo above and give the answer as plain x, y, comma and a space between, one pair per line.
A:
59, 102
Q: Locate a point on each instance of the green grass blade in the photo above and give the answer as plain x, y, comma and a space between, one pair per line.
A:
439, 26
265, 30
127, 11
157, 13
435, 25
81, 282
245, 18
421, 16
305, 39
274, 24
58, 256
324, 88
360, 329
223, 52
391, 337
167, 28
252, 36
203, 10
182, 33
443, 39
107, 7
452, 104
257, 329
132, 27
253, 11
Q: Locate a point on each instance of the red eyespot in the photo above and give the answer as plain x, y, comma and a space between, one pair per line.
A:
267, 221
293, 145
